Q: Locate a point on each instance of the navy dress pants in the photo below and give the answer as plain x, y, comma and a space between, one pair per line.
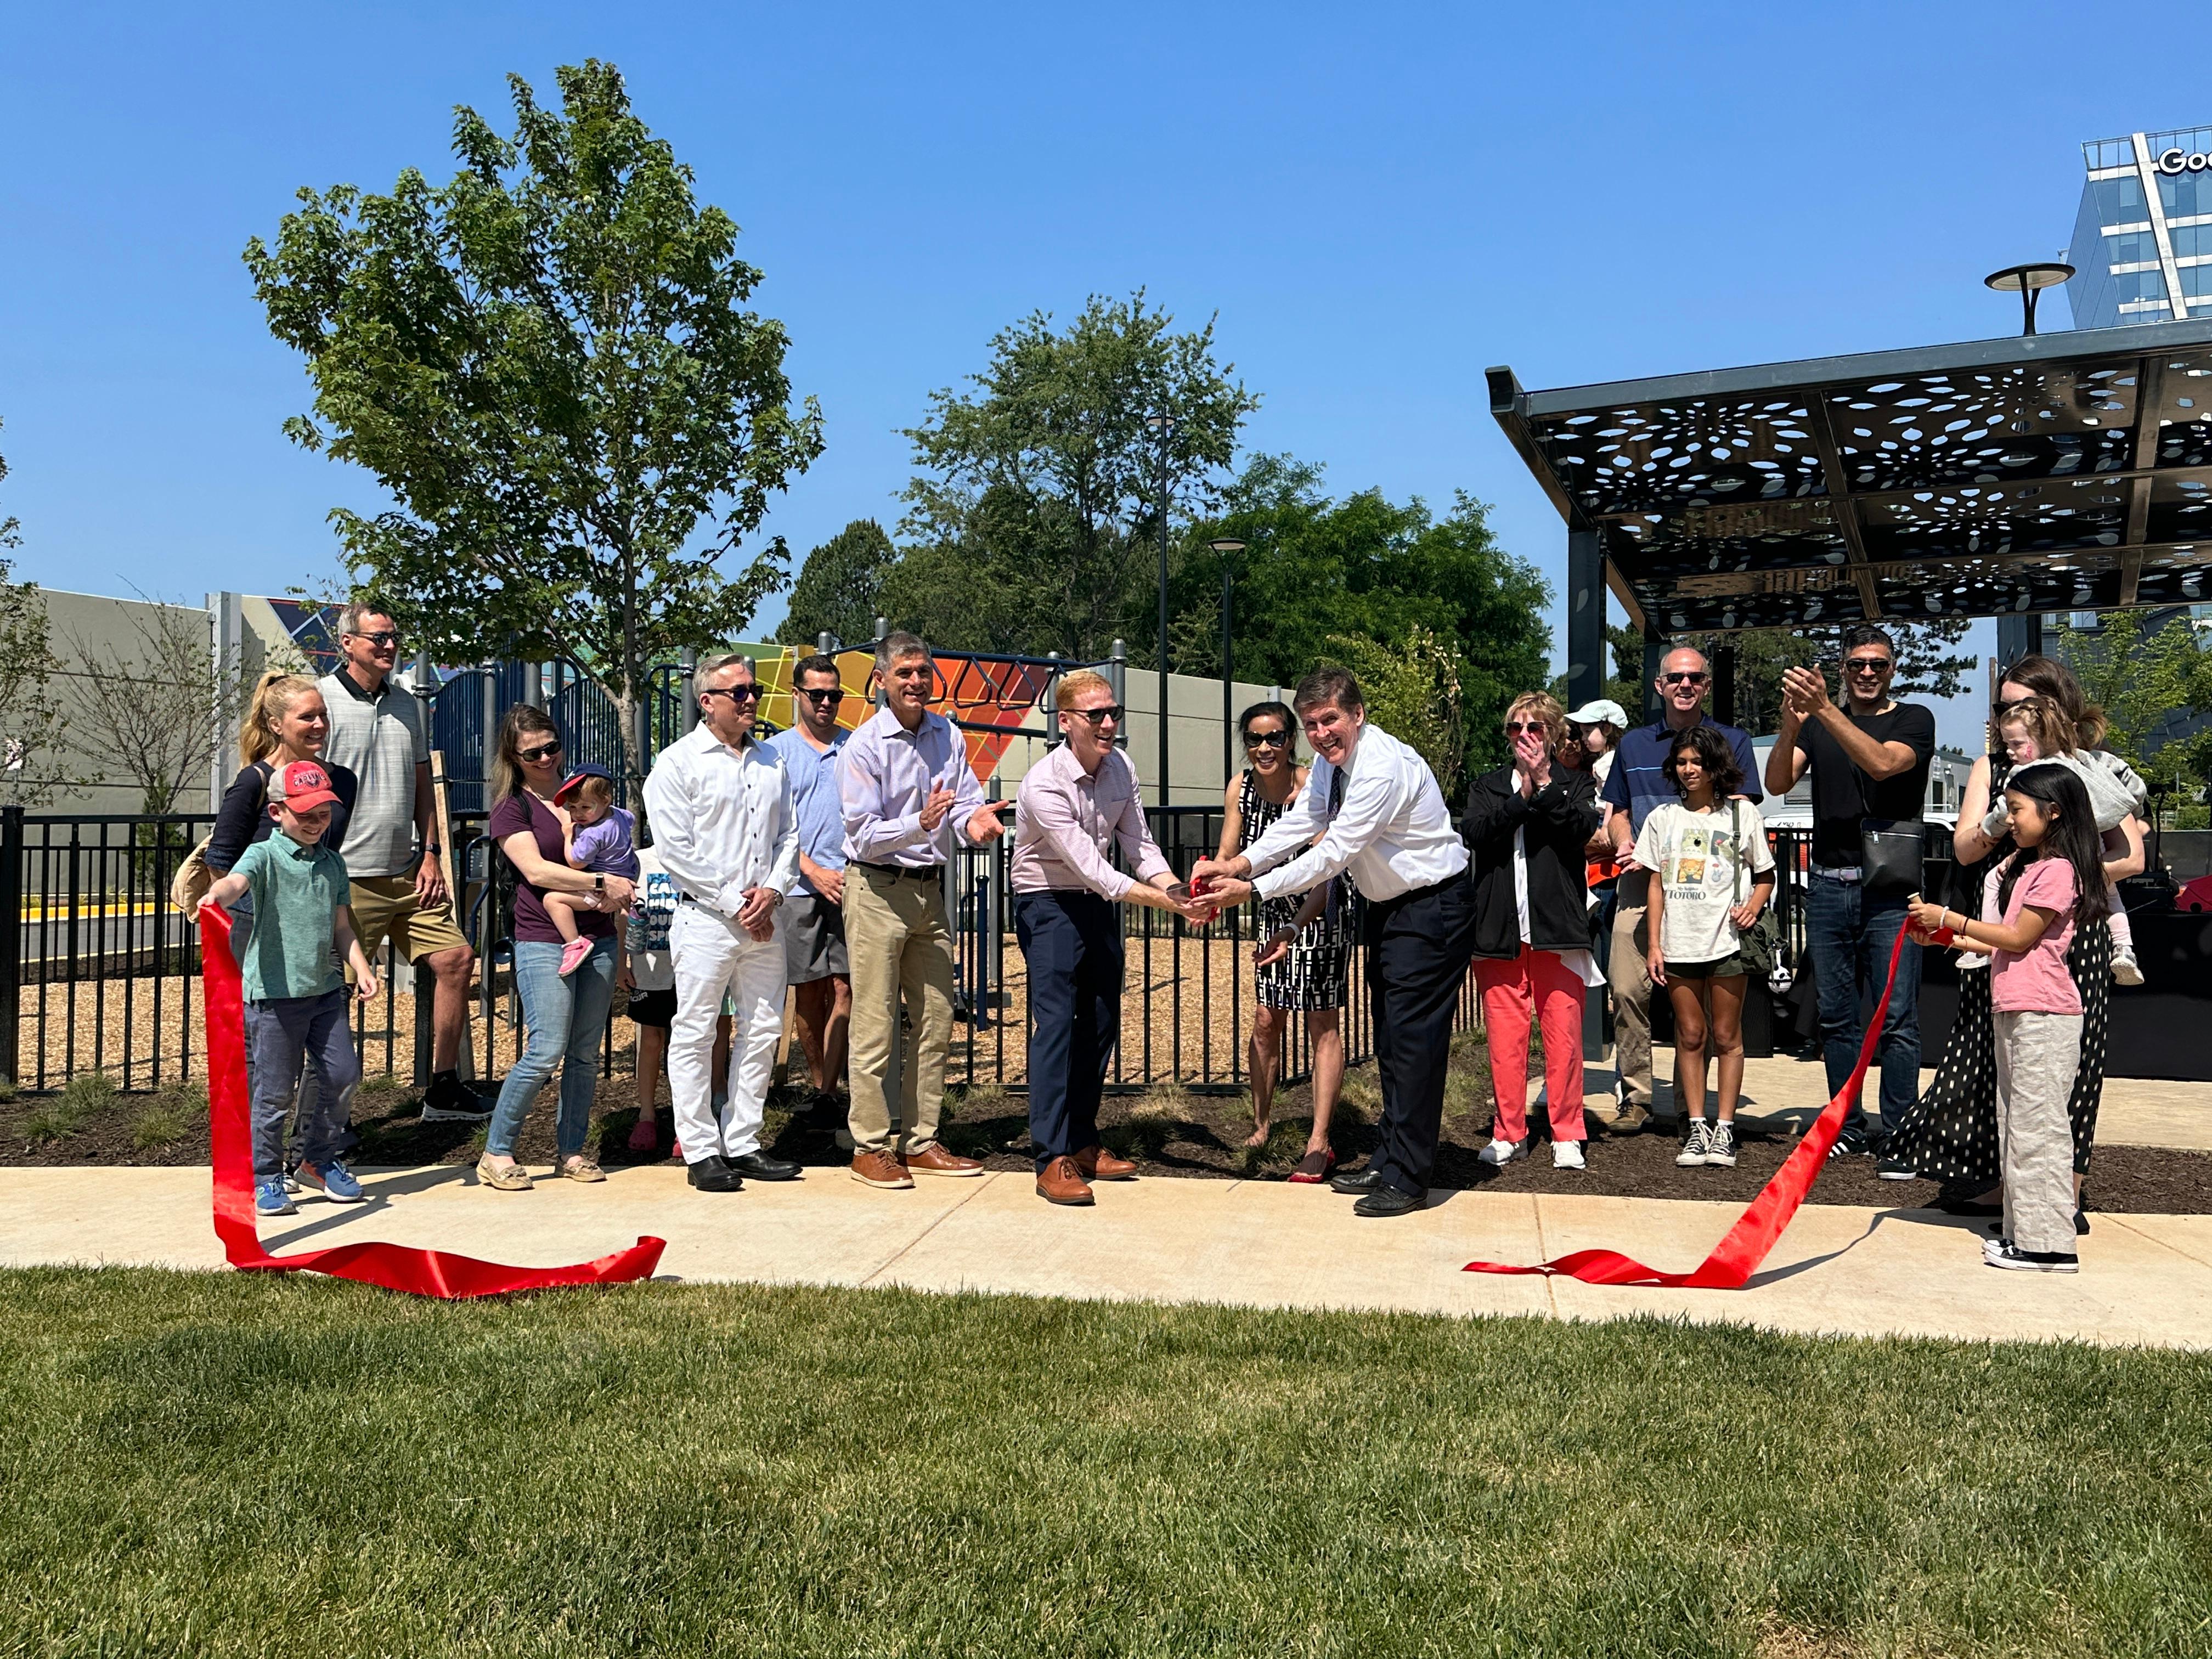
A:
1417, 948
1072, 941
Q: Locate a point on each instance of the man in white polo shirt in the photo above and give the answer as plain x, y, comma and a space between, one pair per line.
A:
391, 848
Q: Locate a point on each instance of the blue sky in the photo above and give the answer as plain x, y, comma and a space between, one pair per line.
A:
1378, 202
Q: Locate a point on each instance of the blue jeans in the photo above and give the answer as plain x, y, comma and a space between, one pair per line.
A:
568, 1021
1849, 933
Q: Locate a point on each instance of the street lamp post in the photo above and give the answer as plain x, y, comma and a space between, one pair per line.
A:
1225, 545
2028, 282
1162, 426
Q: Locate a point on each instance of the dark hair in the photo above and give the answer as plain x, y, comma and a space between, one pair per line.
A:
2072, 836
1713, 754
817, 663
1859, 634
507, 758
1323, 685
1267, 711
2047, 676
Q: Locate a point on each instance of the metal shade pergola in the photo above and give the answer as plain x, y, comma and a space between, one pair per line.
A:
1994, 477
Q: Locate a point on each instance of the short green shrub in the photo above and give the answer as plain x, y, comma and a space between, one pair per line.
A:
51, 1121
87, 1091
157, 1126
8, 1091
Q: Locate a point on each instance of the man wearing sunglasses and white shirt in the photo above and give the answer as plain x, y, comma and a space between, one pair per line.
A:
723, 827
1638, 783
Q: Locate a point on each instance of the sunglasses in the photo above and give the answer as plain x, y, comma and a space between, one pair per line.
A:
1683, 678
1266, 740
832, 694
1098, 717
1867, 665
543, 752
735, 693
380, 639
1516, 727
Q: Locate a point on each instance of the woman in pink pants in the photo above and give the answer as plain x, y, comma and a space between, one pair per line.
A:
1526, 823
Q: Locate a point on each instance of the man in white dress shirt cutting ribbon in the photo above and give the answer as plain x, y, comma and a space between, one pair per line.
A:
723, 826
1381, 819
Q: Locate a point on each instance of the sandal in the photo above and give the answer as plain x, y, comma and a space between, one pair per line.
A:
1313, 1169
510, 1178
580, 1168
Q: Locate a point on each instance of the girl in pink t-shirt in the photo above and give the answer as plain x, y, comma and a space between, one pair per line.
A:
2031, 905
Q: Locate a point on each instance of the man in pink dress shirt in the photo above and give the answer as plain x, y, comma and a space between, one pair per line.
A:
1073, 807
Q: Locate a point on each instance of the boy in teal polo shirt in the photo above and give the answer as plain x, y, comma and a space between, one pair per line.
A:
295, 996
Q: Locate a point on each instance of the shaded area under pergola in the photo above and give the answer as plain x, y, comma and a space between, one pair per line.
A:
1993, 477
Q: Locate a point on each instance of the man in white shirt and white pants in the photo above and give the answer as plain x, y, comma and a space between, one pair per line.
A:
1381, 817
720, 809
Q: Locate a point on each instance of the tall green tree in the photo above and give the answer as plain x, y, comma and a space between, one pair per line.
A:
550, 363
841, 587
2153, 686
1037, 495
30, 720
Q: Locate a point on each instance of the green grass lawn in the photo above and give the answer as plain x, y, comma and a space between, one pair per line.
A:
235, 1464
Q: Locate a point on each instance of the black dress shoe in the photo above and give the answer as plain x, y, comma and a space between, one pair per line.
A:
1357, 1180
759, 1166
713, 1174
1386, 1199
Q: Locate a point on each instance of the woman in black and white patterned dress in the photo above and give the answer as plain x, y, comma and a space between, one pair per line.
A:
1304, 955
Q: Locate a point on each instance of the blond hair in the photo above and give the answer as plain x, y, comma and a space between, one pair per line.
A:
1545, 707
274, 694
1082, 681
595, 791
2053, 732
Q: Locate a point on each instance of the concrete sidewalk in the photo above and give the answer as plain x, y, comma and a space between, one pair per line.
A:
2145, 1279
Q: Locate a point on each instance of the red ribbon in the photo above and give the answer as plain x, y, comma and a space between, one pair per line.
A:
395, 1266
1737, 1256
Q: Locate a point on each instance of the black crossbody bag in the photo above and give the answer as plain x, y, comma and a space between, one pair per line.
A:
1891, 850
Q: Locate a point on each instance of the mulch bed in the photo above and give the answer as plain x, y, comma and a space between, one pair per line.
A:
1168, 1133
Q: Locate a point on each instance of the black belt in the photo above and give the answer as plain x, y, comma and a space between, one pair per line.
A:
902, 871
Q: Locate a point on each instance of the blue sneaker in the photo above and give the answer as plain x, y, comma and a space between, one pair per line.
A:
270, 1197
334, 1181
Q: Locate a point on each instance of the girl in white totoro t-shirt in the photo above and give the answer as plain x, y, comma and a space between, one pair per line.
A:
1713, 875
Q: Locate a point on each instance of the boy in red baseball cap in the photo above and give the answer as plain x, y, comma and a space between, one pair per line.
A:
295, 997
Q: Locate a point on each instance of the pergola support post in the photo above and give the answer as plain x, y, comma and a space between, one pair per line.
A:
2019, 634
1585, 617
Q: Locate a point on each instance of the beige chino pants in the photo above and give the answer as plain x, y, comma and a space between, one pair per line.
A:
899, 942
1629, 974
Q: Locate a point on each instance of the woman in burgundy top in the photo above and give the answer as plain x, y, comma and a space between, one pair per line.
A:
567, 1016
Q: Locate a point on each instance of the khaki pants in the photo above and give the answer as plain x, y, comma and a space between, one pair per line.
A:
2037, 1056
900, 944
1629, 974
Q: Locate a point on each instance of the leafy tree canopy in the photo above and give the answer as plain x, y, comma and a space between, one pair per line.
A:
551, 364
841, 587
30, 720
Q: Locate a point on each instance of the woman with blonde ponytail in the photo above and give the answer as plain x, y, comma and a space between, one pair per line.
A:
285, 721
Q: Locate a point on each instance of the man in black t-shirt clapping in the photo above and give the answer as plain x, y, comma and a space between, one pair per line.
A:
1869, 761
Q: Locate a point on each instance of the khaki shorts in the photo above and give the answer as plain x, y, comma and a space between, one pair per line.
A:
386, 907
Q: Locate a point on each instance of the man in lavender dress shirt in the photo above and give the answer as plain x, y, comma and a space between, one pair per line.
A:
906, 791
1076, 805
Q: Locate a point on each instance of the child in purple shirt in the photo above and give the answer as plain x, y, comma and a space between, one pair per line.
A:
601, 839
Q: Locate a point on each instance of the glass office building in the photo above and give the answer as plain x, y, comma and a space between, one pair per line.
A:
2142, 242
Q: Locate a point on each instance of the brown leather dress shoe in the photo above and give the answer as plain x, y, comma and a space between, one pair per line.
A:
880, 1169
933, 1159
1061, 1183
1096, 1164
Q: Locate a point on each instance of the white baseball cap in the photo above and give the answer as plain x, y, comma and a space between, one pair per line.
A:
1603, 712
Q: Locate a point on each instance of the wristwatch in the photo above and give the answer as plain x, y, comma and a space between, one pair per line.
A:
599, 882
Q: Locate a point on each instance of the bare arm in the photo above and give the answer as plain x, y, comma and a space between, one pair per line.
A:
2132, 861
521, 851
1785, 762
1232, 821
349, 945
227, 890
1967, 840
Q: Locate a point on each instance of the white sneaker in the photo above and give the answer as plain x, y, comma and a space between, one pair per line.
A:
1567, 1155
1503, 1151
2125, 971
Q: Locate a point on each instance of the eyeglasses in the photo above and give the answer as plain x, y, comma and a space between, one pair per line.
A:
544, 752
1684, 678
1266, 740
735, 693
1516, 727
1867, 666
814, 695
380, 639
1098, 717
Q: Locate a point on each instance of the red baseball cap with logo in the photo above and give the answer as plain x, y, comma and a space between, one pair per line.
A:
302, 786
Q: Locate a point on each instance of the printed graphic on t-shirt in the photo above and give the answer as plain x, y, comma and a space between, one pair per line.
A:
1690, 858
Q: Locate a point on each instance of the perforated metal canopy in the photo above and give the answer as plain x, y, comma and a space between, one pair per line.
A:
2052, 472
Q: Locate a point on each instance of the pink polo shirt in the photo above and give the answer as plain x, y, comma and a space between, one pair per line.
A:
2034, 981
1069, 821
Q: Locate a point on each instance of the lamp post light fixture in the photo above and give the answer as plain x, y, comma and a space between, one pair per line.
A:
1163, 427
2028, 282
1225, 545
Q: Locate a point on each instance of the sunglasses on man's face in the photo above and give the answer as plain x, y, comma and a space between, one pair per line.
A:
1098, 717
1684, 676
734, 693
380, 639
813, 694
543, 752
1867, 665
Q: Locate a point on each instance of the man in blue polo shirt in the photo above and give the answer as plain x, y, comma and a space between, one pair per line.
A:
1637, 784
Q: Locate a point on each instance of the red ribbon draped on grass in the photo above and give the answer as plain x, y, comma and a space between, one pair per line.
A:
1737, 1256
395, 1266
